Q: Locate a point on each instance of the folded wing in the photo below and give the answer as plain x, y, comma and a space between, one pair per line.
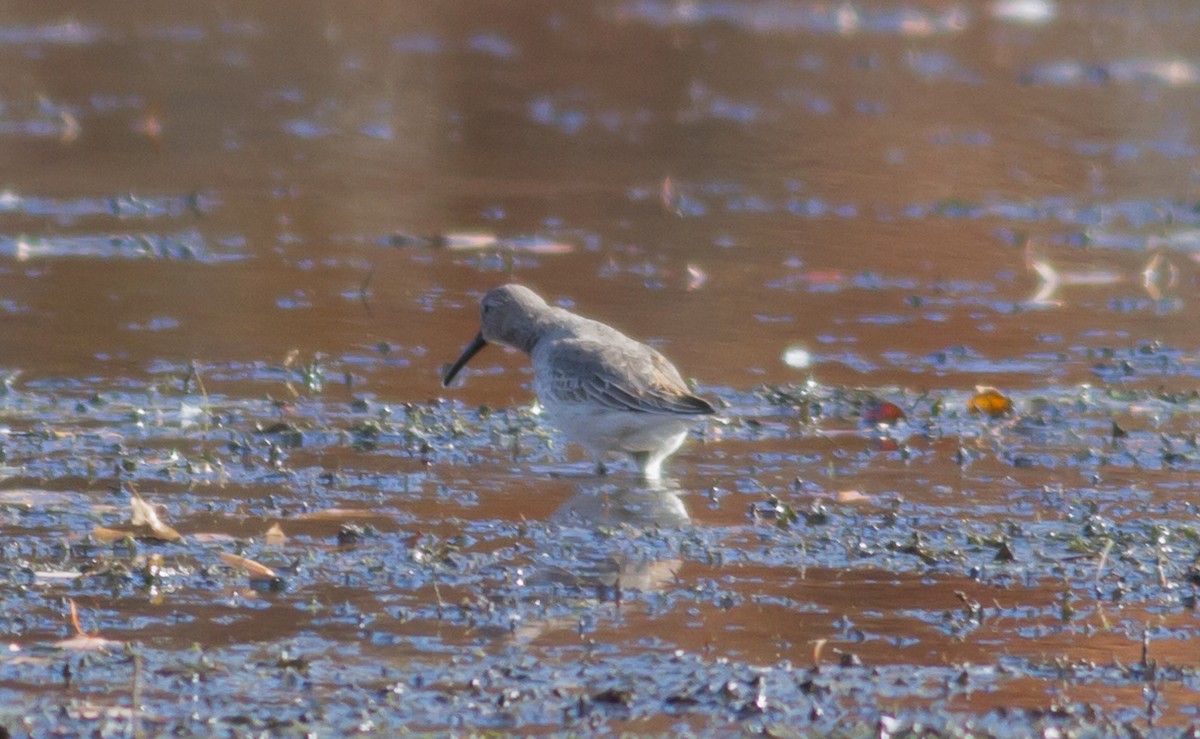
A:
622, 377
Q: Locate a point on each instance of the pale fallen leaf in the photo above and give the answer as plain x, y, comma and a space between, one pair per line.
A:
90, 712
818, 646
17, 658
143, 514
849, 496
34, 497
211, 538
108, 536
837, 433
1050, 281
60, 575
1030, 12
338, 514
668, 197
536, 245
1092, 277
82, 641
467, 240
256, 570
189, 413
70, 127
85, 643
274, 535
1155, 277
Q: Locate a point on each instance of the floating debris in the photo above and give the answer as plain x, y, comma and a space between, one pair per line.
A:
990, 402
274, 536
876, 412
82, 641
1029, 12
256, 570
479, 241
144, 514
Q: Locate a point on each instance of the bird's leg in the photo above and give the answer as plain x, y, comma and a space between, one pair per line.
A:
598, 459
649, 464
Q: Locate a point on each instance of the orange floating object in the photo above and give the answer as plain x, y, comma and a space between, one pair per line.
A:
990, 402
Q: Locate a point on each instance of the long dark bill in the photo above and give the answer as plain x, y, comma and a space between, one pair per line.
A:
472, 349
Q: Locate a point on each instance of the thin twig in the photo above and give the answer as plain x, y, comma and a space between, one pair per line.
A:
364, 291
1108, 545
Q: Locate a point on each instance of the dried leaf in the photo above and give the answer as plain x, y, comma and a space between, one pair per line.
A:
538, 245
75, 618
990, 402
256, 570
338, 514
467, 240
152, 127
82, 641
274, 535
108, 536
1050, 282
849, 496
70, 127
826, 277
838, 433
38, 498
886, 444
206, 537
877, 412
143, 514
668, 197
453, 240
818, 646
59, 575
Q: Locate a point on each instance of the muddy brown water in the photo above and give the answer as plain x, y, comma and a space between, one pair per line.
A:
239, 243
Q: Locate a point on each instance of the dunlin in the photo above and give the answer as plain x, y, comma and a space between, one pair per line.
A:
605, 391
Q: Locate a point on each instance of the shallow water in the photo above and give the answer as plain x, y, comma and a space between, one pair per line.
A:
240, 245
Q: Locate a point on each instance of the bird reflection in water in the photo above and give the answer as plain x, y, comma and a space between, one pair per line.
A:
607, 521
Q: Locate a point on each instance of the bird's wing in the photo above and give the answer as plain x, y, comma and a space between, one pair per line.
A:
622, 376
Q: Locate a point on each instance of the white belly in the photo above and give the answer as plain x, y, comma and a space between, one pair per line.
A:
600, 430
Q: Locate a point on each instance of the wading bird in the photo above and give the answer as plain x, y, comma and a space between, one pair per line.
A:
605, 391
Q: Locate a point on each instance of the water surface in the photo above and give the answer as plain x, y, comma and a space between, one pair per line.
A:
239, 245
